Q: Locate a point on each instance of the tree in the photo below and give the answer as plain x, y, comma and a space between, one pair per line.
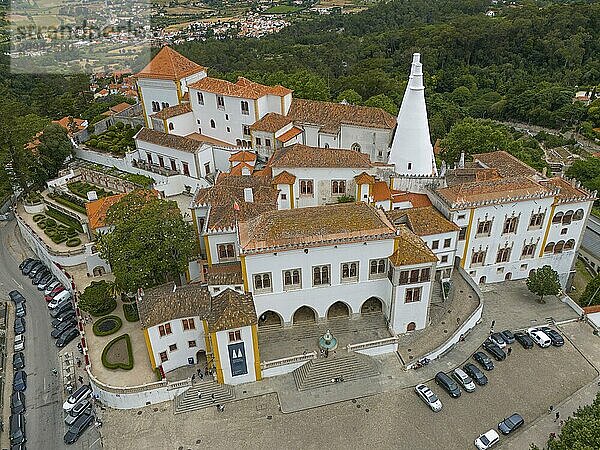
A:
587, 171
384, 102
544, 281
149, 243
54, 148
591, 294
351, 96
581, 431
97, 299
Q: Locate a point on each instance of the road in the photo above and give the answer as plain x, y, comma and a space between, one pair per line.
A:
44, 398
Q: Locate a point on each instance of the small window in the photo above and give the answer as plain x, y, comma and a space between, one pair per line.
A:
188, 324
484, 228
549, 248
258, 141
413, 295
235, 336
570, 244
172, 347
226, 116
207, 168
445, 258
226, 251
164, 330
528, 251
578, 214
246, 130
292, 279
200, 99
461, 217
283, 196
462, 234
536, 221
321, 275
567, 218
163, 357
447, 243
173, 164
435, 245
245, 108
171, 126
212, 123
355, 147
564, 230
186, 168
228, 129
149, 157
557, 217
161, 161
262, 282
267, 142
192, 344
409, 167
478, 258
510, 225
220, 102
503, 255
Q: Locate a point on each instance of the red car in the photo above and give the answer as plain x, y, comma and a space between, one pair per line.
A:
54, 293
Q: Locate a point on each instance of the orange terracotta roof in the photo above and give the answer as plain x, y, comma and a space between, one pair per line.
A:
169, 65
330, 116
271, 123
410, 249
242, 88
423, 221
364, 178
120, 107
70, 124
238, 169
96, 210
592, 309
416, 200
173, 111
284, 178
381, 191
314, 227
290, 134
567, 191
506, 164
299, 155
242, 156
182, 143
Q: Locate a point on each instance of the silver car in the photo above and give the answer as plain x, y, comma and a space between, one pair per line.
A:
80, 408
463, 379
428, 397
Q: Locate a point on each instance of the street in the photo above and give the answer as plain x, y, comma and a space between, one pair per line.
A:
44, 415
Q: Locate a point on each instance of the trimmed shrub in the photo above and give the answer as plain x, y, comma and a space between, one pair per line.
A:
130, 311
50, 223
72, 242
97, 299
119, 349
38, 217
71, 233
67, 220
107, 325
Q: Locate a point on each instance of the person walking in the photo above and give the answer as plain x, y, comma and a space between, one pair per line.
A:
556, 416
509, 351
80, 379
550, 409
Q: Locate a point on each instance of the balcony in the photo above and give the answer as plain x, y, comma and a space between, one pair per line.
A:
154, 168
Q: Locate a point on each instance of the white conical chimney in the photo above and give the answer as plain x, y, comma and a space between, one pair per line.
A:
411, 151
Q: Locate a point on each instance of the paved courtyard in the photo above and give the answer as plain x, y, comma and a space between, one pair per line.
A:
528, 382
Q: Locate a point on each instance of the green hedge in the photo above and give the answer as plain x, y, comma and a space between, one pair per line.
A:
70, 202
131, 312
67, 220
97, 327
118, 365
81, 189
73, 242
97, 299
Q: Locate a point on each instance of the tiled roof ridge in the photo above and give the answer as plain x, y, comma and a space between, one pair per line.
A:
173, 111
168, 140
300, 155
169, 64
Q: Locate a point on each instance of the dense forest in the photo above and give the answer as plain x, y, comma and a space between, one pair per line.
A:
524, 64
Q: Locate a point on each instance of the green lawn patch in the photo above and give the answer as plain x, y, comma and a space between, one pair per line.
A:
118, 353
282, 9
81, 189
70, 201
130, 311
107, 325
140, 180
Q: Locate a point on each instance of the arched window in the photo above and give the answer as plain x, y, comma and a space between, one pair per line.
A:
212, 123
549, 247
558, 248
353, 269
287, 277
355, 147
411, 326
567, 218
570, 244
238, 142
381, 266
557, 217
326, 146
578, 214
171, 127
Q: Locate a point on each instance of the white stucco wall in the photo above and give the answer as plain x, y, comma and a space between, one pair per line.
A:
374, 142
222, 344
161, 91
183, 124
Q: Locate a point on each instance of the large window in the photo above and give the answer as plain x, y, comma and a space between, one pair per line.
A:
413, 295
245, 108
321, 275
478, 258
567, 218
349, 271
292, 279
164, 330
377, 268
188, 324
306, 188
510, 225
528, 251
226, 251
220, 103
246, 130
536, 221
338, 187
415, 276
462, 234
484, 228
262, 282
503, 255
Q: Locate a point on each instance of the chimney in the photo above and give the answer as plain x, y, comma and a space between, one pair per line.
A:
248, 195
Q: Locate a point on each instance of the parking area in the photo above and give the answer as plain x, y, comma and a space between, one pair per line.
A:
528, 382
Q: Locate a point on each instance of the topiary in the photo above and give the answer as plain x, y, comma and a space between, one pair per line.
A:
71, 233
38, 217
107, 325
50, 222
73, 242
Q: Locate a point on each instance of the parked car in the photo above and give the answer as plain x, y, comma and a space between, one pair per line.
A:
60, 299
20, 381
77, 410
484, 360
30, 266
63, 318
36, 269
63, 328
498, 339
508, 336
539, 337
494, 350
17, 429
44, 272
25, 262
78, 427
19, 343
477, 375
70, 420
16, 297
44, 281
18, 360
67, 337
463, 379
19, 325
487, 439
82, 393
428, 397
50, 286
54, 292
448, 384
17, 402
511, 423
525, 341
555, 337
61, 310
21, 310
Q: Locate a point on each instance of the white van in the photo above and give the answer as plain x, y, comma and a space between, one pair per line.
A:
539, 337
62, 298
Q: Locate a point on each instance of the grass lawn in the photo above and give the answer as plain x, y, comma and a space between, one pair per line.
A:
580, 281
282, 9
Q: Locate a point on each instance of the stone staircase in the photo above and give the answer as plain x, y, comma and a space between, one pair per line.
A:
189, 400
318, 373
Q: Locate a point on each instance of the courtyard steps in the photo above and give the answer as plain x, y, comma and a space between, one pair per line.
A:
318, 373
189, 401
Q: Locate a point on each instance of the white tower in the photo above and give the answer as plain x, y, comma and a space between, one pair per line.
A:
412, 152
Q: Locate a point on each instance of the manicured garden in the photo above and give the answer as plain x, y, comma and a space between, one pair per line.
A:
81, 189
68, 200
57, 232
107, 325
98, 299
65, 219
130, 311
118, 353
118, 139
